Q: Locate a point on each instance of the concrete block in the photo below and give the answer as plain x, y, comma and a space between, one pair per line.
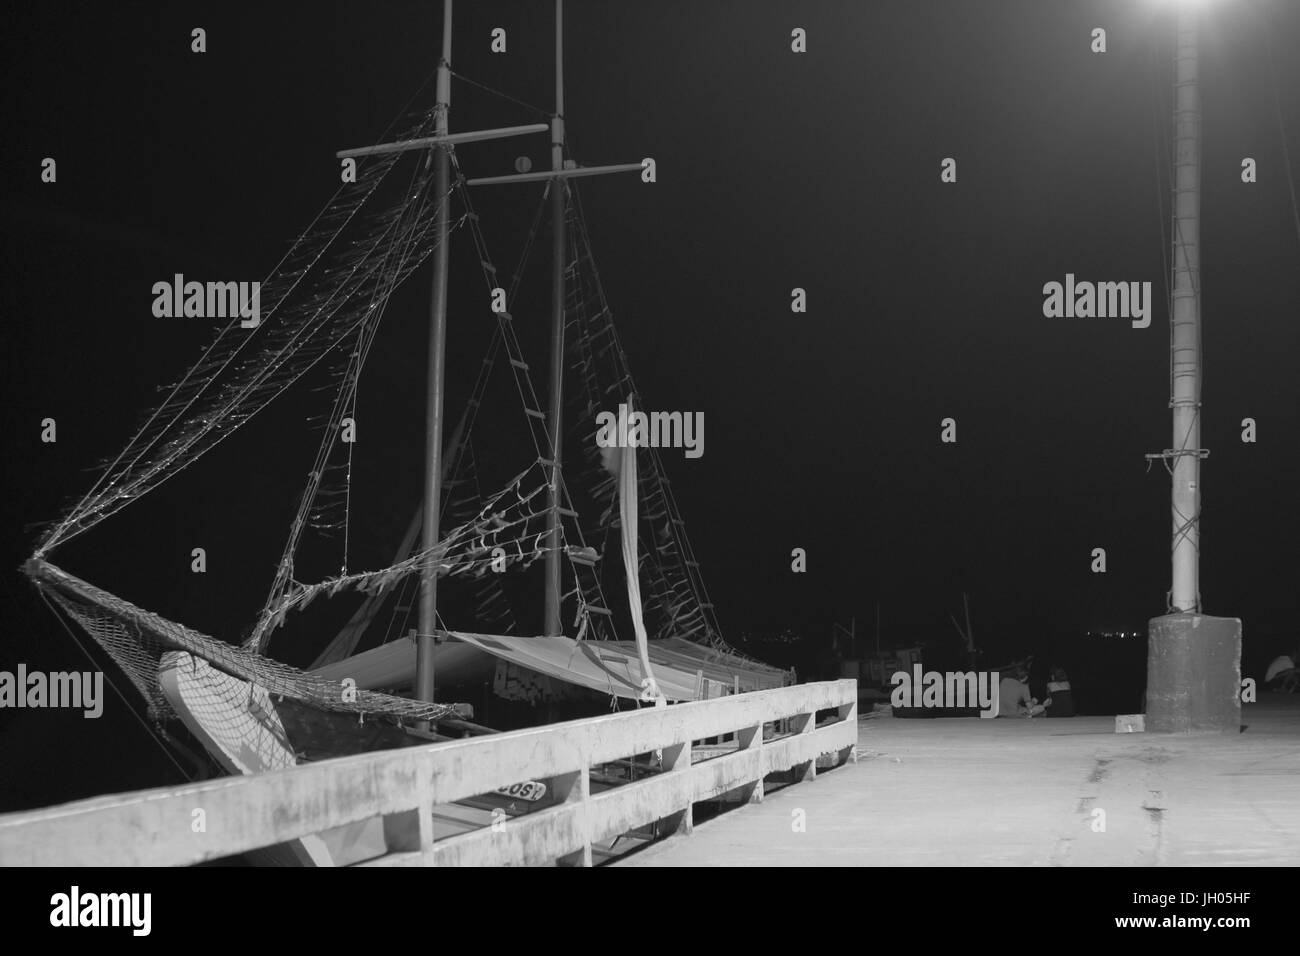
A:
1194, 674
1130, 723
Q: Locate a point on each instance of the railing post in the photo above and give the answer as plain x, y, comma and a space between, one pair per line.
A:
804, 724
849, 712
411, 831
571, 788
678, 758
751, 738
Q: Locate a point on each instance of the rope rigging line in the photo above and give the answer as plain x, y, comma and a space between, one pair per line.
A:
523, 380
498, 335
467, 548
392, 268
359, 357
688, 565
134, 471
505, 96
493, 598
464, 452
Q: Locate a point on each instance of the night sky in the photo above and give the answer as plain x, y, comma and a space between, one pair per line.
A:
776, 170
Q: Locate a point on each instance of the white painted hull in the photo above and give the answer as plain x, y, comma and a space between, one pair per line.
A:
238, 724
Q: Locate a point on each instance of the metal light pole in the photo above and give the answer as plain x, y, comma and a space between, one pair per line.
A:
1193, 660
1185, 320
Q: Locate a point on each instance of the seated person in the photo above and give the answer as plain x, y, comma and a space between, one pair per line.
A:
1014, 699
1060, 698
1039, 677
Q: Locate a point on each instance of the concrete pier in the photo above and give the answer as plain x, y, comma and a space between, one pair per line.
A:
967, 791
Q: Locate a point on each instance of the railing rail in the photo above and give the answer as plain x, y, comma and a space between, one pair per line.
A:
241, 814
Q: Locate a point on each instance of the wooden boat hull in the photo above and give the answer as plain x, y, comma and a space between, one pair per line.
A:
247, 731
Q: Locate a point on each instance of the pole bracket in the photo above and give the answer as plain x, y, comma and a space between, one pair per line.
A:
1172, 453
1180, 453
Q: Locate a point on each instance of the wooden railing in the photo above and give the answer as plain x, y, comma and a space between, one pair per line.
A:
401, 788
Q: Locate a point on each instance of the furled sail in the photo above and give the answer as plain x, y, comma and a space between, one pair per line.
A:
627, 503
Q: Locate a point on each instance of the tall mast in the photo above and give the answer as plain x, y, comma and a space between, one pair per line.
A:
428, 619
557, 175
554, 420
1185, 322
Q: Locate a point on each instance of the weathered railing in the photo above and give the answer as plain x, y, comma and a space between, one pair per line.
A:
401, 787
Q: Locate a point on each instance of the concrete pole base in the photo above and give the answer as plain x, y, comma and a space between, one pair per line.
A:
1193, 674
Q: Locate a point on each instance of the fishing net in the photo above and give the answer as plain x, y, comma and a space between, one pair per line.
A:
136, 639
328, 290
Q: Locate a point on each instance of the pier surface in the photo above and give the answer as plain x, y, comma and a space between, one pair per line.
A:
1002, 792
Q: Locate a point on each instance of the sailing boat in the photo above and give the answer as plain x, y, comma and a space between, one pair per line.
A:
322, 306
